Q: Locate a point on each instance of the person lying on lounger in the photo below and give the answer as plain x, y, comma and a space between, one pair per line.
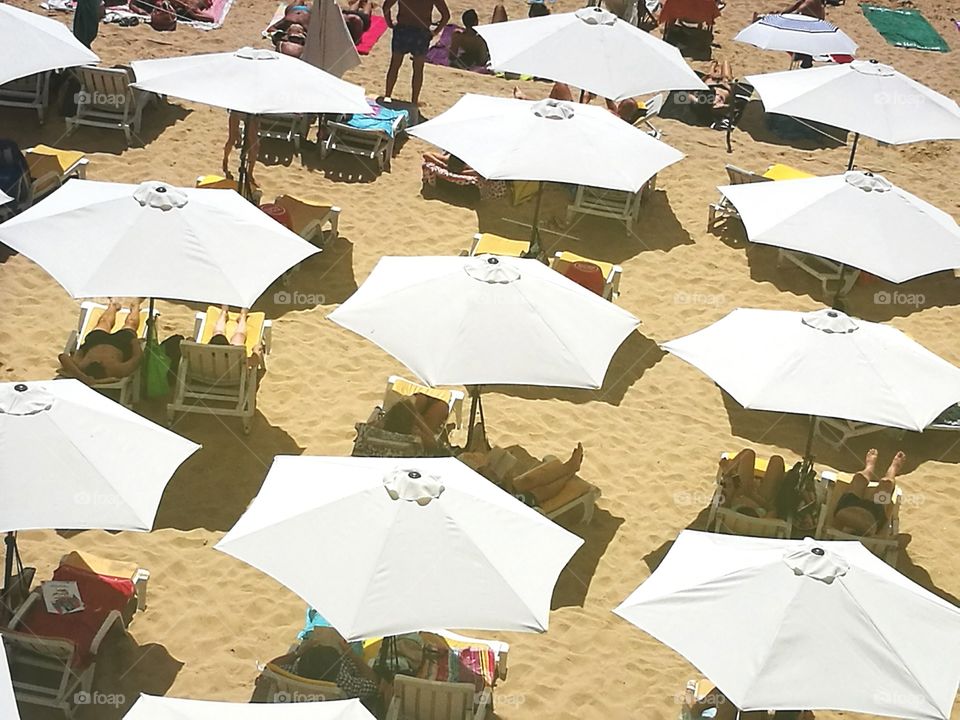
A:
106, 356
451, 163
862, 511
537, 485
239, 336
743, 492
357, 18
424, 417
627, 109
338, 665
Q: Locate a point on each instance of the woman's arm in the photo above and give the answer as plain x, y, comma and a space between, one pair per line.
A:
71, 369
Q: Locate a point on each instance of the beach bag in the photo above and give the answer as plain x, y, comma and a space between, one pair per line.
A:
373, 441
157, 367
163, 16
796, 497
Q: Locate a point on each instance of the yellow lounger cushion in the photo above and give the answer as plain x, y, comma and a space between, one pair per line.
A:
302, 211
99, 565
216, 182
785, 172
407, 388
575, 487
43, 159
254, 326
570, 258
490, 244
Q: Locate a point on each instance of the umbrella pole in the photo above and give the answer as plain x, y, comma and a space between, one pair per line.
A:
838, 298
808, 451
853, 151
476, 407
388, 658
534, 229
11, 554
151, 336
243, 182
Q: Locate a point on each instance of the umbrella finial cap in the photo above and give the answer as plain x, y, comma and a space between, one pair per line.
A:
867, 181
159, 195
830, 321
816, 562
490, 269
871, 67
412, 486
551, 109
596, 16
21, 399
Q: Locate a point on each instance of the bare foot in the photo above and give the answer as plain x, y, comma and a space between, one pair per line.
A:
518, 93
870, 463
576, 459
895, 466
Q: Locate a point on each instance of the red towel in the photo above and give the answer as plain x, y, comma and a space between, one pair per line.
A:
378, 26
101, 594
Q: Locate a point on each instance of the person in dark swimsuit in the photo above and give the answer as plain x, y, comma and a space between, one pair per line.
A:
106, 356
863, 510
357, 18
743, 492
412, 34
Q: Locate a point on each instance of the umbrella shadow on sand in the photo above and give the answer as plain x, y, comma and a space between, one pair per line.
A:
633, 358
276, 152
777, 129
323, 279
344, 167
213, 487
124, 670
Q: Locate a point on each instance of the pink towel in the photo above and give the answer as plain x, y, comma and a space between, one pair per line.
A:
378, 26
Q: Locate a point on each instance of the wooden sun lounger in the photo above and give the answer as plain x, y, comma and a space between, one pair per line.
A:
611, 273
32, 91
726, 520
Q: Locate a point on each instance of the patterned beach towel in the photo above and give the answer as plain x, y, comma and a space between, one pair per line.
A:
904, 28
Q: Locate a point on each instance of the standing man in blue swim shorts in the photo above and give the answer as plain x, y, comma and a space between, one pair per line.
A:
411, 36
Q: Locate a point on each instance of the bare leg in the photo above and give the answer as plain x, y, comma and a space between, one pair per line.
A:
544, 475
396, 60
133, 317
221, 327
109, 317
499, 14
253, 147
561, 91
233, 137
239, 336
417, 81
543, 493
776, 469
518, 93
870, 464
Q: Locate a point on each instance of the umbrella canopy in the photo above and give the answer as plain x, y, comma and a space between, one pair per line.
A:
33, 44
74, 459
384, 546
548, 140
258, 82
100, 239
150, 707
4, 198
782, 624
501, 321
329, 45
8, 702
856, 218
823, 364
591, 49
797, 34
863, 97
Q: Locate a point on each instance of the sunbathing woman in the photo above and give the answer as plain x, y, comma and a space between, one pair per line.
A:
743, 492
239, 336
536, 486
720, 79
451, 163
106, 356
863, 511
357, 18
424, 417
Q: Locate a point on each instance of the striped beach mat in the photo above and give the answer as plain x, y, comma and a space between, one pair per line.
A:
905, 28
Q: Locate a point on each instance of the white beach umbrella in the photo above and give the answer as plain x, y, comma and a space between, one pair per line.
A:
33, 44
100, 239
4, 198
547, 140
384, 546
150, 707
797, 34
591, 49
8, 702
329, 45
825, 364
486, 321
252, 81
786, 624
73, 459
864, 97
857, 218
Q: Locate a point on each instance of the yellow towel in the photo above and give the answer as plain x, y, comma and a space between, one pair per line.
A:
407, 388
785, 172
50, 163
216, 182
490, 244
523, 190
254, 327
569, 257
99, 565
96, 312
302, 211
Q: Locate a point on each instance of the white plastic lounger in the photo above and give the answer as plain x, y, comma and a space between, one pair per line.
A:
32, 91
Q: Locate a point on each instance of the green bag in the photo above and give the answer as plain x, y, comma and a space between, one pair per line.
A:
157, 368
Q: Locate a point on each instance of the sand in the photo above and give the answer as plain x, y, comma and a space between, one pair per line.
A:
652, 434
